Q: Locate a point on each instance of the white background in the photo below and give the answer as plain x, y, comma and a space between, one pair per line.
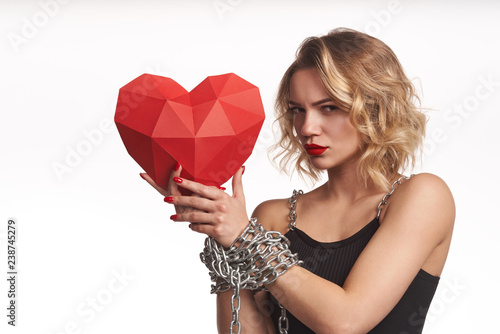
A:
61, 67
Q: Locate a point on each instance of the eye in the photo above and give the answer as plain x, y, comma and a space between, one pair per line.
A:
296, 110
329, 108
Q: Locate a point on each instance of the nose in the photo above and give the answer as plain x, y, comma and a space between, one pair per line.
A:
311, 124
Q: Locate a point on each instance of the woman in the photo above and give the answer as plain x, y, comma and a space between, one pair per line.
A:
373, 243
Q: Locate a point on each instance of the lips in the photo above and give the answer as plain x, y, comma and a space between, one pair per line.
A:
313, 149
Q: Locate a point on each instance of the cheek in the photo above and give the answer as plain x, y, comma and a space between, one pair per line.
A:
340, 125
342, 128
350, 131
353, 136
298, 121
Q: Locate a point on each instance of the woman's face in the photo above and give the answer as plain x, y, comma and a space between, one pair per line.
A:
325, 131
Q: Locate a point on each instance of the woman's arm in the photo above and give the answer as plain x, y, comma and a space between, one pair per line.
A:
418, 219
252, 320
255, 313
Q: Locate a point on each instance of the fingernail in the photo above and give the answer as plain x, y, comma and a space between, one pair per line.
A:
142, 176
173, 217
168, 199
243, 170
222, 188
177, 166
177, 179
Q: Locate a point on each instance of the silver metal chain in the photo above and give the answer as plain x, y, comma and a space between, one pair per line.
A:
283, 320
292, 215
235, 302
395, 184
256, 258
293, 205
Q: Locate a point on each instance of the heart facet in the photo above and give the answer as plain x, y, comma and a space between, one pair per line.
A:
210, 131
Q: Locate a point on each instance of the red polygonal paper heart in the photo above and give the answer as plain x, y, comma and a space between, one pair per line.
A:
210, 131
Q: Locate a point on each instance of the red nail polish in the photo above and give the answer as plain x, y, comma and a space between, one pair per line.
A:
243, 170
173, 217
168, 199
142, 176
222, 188
177, 166
177, 179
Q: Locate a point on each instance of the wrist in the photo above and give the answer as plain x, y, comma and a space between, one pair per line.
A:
253, 260
257, 256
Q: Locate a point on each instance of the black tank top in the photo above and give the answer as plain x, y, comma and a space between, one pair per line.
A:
333, 261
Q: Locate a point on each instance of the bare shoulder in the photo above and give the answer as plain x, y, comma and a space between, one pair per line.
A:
427, 188
273, 214
426, 196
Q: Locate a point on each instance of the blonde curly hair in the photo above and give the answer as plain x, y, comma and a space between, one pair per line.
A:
364, 77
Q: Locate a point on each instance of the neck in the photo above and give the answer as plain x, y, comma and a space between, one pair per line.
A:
344, 184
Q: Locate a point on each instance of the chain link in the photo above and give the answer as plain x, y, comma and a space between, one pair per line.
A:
292, 215
256, 258
395, 184
293, 204
235, 299
283, 320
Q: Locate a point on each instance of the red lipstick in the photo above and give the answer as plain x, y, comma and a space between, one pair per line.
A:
313, 149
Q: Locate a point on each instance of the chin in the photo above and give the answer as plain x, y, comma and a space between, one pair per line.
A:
323, 163
320, 163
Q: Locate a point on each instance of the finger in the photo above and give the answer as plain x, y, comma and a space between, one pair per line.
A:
183, 209
193, 202
194, 217
172, 186
238, 184
146, 177
200, 189
202, 228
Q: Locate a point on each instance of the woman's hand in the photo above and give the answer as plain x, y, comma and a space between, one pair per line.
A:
172, 190
217, 214
211, 211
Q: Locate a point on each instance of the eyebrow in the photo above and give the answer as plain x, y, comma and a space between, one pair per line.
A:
314, 103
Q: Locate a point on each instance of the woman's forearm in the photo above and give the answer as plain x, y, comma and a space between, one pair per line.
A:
250, 318
319, 304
